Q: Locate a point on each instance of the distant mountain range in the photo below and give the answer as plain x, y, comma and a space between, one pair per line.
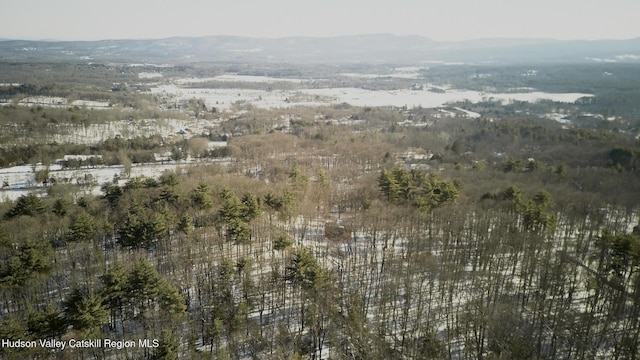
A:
377, 48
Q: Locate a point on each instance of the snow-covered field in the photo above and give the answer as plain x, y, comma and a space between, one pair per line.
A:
408, 72
149, 75
20, 180
239, 78
224, 99
62, 102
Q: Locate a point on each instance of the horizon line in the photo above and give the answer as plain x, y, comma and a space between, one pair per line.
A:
312, 37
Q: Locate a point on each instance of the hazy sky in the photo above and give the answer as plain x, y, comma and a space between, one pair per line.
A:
441, 20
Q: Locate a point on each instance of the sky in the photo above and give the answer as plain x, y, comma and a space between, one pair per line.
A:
443, 20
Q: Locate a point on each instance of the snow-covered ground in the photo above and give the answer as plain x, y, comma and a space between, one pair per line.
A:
239, 78
94, 133
20, 180
470, 114
408, 72
561, 118
62, 102
149, 75
226, 98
